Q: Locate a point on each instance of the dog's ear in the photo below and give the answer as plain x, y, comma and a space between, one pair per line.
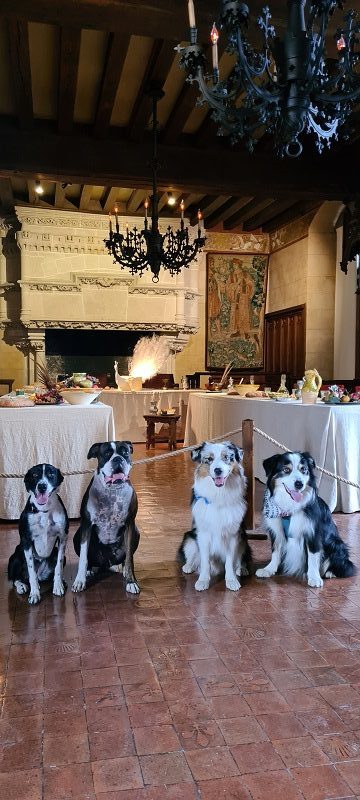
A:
238, 452
309, 459
129, 444
27, 480
196, 453
270, 464
94, 450
59, 477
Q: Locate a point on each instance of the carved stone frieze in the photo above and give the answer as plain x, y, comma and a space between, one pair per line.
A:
168, 327
50, 287
104, 281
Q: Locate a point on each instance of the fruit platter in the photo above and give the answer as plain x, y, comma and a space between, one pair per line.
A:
337, 396
78, 389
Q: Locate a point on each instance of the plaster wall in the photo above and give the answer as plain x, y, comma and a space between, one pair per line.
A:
345, 316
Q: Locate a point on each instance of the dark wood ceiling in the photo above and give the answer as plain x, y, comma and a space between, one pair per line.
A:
75, 114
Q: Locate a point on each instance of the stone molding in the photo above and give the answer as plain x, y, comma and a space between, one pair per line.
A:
105, 282
166, 327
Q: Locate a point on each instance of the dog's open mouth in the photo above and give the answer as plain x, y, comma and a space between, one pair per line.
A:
42, 499
219, 480
116, 479
294, 494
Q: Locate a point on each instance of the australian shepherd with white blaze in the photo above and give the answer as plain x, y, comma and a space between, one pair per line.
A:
218, 538
304, 538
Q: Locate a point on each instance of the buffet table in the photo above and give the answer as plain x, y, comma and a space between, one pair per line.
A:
59, 435
129, 409
330, 433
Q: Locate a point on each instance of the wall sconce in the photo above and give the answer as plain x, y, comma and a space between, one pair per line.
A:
38, 188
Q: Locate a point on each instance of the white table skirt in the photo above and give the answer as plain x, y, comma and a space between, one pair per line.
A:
60, 435
330, 434
129, 409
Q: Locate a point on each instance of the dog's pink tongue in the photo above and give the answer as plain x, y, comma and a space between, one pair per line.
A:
42, 499
297, 496
219, 481
117, 476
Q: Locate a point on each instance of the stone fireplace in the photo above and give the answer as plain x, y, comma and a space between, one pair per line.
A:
57, 277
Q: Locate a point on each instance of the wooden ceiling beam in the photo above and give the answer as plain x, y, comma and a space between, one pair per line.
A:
116, 53
180, 113
61, 200
227, 210
160, 19
135, 201
70, 39
6, 196
295, 211
21, 70
79, 159
272, 210
255, 204
207, 206
110, 200
85, 197
160, 61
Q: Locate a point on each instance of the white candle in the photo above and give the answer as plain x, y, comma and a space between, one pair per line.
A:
191, 11
214, 38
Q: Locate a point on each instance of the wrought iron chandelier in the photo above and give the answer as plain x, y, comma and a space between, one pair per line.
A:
289, 86
138, 250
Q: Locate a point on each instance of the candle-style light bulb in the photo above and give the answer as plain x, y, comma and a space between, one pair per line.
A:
191, 11
199, 216
116, 218
182, 206
214, 36
110, 224
341, 44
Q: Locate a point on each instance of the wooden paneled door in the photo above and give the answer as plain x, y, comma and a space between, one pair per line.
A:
285, 342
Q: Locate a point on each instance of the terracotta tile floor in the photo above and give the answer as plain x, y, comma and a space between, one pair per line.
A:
176, 694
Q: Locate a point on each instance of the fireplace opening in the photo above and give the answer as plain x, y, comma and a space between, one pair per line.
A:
93, 352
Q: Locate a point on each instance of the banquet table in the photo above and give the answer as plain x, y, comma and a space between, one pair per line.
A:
330, 433
60, 435
129, 409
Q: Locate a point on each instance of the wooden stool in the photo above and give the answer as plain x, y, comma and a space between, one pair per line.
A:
168, 419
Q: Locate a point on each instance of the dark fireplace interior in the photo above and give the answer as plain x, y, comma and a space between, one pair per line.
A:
94, 352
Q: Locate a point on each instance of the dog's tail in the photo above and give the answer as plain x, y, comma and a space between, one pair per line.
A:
181, 553
340, 563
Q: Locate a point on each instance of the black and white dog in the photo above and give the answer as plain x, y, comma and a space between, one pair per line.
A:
107, 535
305, 540
43, 529
218, 537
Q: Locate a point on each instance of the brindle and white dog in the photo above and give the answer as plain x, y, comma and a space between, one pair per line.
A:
43, 528
218, 538
108, 535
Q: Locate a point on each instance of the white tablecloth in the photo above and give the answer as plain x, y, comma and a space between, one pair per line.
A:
129, 409
59, 435
331, 434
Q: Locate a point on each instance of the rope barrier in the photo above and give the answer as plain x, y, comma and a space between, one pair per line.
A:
223, 437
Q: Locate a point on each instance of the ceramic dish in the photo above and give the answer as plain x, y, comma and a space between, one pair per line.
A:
79, 397
243, 388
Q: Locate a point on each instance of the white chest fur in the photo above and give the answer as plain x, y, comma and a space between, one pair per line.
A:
109, 508
220, 518
46, 527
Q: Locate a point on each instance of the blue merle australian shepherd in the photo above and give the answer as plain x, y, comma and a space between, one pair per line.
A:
305, 540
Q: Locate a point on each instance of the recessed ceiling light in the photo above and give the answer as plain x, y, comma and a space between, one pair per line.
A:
171, 199
38, 188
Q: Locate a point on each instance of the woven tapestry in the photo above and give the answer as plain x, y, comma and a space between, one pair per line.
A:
236, 294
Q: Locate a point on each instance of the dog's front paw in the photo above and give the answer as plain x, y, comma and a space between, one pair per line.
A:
188, 569
34, 597
201, 585
264, 572
315, 581
58, 588
329, 574
21, 587
132, 587
233, 584
79, 584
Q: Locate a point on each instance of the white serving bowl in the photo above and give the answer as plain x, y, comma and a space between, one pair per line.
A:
77, 397
243, 388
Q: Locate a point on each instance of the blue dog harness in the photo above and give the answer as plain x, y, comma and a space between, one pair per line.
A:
200, 497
